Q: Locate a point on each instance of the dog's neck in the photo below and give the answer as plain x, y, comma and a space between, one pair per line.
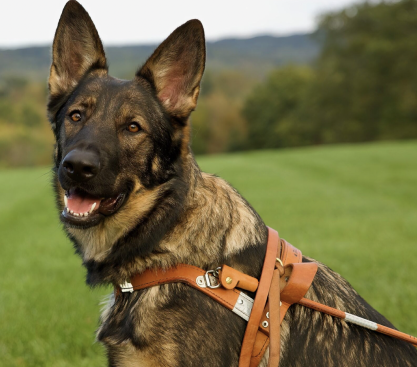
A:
201, 220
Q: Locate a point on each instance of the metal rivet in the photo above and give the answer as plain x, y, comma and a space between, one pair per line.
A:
240, 301
229, 280
200, 282
267, 315
265, 324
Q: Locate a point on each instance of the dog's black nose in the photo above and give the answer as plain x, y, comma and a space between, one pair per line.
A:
81, 165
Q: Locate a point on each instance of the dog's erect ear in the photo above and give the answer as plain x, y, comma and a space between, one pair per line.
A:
176, 67
76, 49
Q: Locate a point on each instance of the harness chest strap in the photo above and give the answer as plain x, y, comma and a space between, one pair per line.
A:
197, 278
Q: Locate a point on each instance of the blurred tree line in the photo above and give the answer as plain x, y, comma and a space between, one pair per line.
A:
361, 87
25, 136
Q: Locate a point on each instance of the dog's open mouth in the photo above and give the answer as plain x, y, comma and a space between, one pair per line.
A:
85, 210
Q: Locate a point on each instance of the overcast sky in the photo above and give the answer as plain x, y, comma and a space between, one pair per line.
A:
33, 22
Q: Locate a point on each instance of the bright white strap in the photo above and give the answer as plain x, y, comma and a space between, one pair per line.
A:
243, 306
360, 321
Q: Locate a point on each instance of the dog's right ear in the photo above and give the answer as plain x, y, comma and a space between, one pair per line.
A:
77, 49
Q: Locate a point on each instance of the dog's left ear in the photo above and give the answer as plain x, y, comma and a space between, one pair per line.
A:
176, 67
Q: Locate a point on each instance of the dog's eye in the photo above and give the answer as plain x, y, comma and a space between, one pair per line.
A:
75, 116
133, 127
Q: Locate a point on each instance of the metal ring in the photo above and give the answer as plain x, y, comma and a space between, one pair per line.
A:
265, 324
208, 282
216, 272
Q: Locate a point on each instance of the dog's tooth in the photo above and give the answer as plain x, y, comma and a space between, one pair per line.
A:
92, 208
86, 214
65, 200
71, 212
77, 214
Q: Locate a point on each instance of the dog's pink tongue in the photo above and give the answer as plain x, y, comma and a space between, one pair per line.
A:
81, 203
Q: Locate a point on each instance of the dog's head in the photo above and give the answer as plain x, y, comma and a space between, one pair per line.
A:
118, 142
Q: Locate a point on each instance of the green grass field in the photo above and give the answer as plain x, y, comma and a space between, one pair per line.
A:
352, 207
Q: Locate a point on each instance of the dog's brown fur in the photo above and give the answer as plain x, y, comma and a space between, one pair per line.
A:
173, 213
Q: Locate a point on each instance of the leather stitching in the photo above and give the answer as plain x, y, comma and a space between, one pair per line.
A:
263, 347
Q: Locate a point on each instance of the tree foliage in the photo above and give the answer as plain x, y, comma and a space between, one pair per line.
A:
217, 123
25, 136
272, 110
363, 86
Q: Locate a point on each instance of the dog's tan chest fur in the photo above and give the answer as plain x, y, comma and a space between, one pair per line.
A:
127, 355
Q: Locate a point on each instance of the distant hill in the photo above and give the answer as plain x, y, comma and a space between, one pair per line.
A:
255, 55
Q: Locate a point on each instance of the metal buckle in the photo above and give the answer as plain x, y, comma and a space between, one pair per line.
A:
215, 274
126, 287
204, 281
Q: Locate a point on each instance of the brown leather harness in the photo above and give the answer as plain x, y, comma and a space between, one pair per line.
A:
284, 281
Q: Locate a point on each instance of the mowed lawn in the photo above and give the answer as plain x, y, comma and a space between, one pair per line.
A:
353, 207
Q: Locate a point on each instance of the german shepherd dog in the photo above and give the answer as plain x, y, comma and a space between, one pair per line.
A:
132, 197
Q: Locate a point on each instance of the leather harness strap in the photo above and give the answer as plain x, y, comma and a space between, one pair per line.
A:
274, 320
194, 277
296, 286
301, 276
284, 281
231, 278
260, 298
289, 254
